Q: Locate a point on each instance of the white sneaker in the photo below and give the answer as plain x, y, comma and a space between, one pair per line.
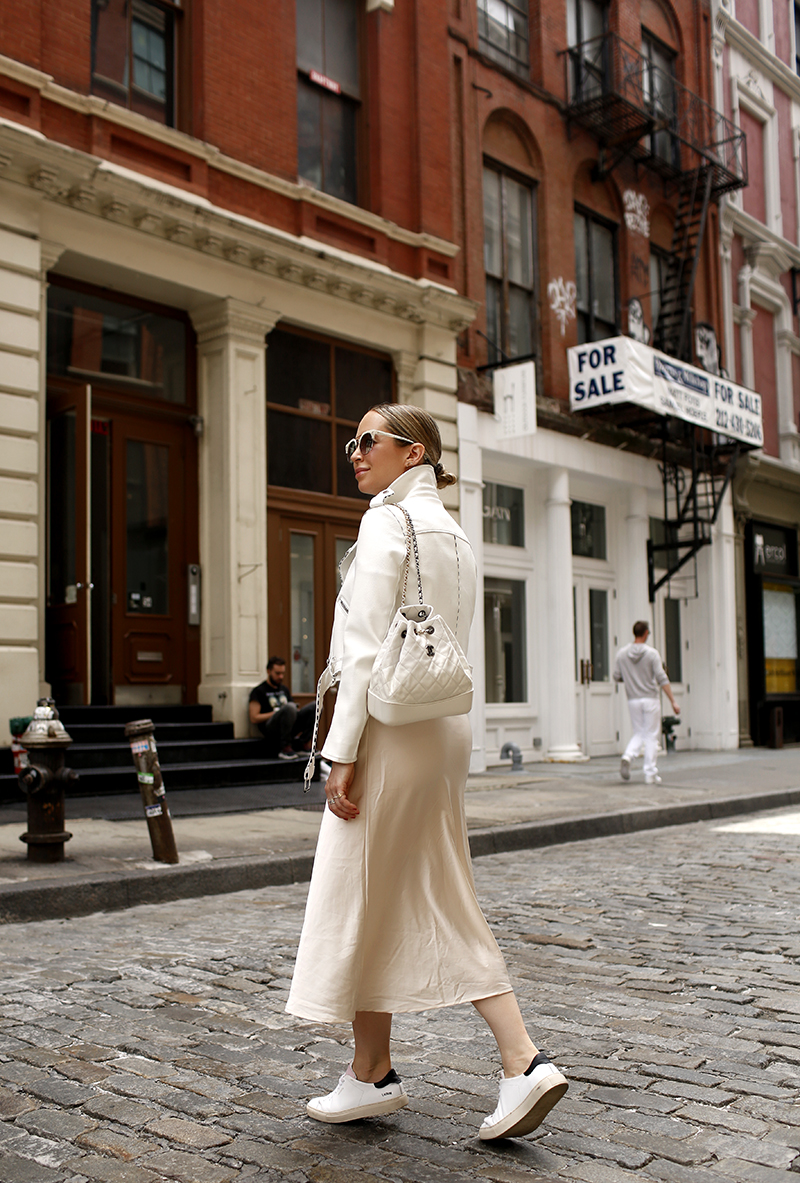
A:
525, 1100
653, 779
625, 768
352, 1098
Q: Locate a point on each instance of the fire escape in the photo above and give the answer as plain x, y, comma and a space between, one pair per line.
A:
637, 111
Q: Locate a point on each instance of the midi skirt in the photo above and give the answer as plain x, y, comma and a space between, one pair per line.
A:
392, 920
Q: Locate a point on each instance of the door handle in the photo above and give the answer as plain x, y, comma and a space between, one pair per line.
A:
87, 586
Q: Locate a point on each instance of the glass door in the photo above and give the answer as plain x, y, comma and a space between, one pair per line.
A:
596, 694
68, 661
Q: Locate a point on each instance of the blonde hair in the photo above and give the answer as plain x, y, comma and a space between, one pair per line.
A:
421, 428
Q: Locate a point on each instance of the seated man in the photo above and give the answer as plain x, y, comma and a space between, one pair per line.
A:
286, 729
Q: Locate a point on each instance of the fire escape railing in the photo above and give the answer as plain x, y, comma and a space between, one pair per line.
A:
637, 109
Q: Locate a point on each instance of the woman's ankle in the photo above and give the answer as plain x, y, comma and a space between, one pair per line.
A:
370, 1072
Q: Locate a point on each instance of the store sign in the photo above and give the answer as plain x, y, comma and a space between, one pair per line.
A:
771, 554
515, 399
621, 370
324, 80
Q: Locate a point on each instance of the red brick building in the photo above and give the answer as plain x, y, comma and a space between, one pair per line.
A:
227, 230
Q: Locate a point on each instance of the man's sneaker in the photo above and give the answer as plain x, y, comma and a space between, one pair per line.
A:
352, 1098
652, 779
625, 768
525, 1101
287, 755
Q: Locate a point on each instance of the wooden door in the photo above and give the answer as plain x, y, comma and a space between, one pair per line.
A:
69, 589
149, 559
305, 550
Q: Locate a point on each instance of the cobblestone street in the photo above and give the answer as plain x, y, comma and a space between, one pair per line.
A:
660, 970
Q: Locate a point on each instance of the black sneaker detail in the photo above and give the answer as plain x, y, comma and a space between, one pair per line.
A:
539, 1058
391, 1077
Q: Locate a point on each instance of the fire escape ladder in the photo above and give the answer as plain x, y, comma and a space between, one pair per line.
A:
693, 497
671, 332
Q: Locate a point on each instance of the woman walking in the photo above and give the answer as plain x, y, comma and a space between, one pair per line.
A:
392, 922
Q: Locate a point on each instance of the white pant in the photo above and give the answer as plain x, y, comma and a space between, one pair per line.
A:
646, 723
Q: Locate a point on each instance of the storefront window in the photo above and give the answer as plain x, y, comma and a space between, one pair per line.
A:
504, 625
503, 515
588, 530
672, 640
90, 337
780, 638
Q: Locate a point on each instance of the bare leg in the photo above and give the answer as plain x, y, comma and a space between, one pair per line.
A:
501, 1012
372, 1031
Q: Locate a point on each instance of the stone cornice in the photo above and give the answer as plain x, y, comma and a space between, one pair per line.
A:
756, 467
88, 104
742, 39
98, 188
736, 221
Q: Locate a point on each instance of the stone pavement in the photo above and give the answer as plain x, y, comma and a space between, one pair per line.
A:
226, 843
661, 969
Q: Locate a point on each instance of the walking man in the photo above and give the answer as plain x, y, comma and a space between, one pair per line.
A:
639, 667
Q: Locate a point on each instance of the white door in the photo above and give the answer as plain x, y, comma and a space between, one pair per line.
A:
596, 694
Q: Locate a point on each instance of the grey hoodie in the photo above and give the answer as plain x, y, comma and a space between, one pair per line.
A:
639, 667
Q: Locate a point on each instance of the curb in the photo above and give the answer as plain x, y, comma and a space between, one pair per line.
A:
20, 903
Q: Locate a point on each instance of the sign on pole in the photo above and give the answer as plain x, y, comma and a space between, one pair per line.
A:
515, 399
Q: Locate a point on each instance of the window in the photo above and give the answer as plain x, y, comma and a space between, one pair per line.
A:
503, 515
134, 55
317, 391
508, 253
665, 536
658, 85
596, 276
780, 638
503, 33
504, 632
116, 344
328, 96
586, 28
588, 530
659, 266
672, 640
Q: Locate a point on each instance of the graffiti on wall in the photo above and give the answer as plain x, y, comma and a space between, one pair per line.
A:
637, 329
637, 212
562, 296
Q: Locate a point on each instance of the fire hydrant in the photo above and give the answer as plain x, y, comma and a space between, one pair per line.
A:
46, 741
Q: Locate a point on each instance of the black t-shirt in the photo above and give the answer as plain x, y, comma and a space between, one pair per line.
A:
269, 697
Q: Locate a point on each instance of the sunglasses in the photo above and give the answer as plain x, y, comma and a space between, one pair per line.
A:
366, 442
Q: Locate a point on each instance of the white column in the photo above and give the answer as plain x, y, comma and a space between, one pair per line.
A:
470, 459
433, 387
22, 343
635, 601
231, 349
560, 680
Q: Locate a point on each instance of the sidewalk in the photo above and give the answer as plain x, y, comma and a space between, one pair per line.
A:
228, 841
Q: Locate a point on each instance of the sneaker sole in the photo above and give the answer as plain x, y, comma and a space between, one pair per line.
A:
377, 1109
625, 770
532, 1112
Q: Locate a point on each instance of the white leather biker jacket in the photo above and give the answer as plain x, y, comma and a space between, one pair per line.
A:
372, 591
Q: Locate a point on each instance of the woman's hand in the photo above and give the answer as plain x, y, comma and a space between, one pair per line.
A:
336, 789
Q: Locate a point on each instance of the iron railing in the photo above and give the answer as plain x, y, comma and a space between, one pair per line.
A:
639, 110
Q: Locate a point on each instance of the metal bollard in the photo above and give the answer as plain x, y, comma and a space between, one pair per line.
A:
151, 786
46, 739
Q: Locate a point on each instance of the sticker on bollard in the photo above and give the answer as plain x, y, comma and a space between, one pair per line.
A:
151, 786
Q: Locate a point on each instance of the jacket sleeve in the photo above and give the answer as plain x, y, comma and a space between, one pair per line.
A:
659, 673
379, 560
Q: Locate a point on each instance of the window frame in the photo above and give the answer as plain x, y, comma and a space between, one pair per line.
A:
492, 50
334, 421
178, 71
497, 350
583, 66
346, 95
592, 217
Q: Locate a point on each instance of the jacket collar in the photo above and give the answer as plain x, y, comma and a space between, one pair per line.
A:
421, 478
